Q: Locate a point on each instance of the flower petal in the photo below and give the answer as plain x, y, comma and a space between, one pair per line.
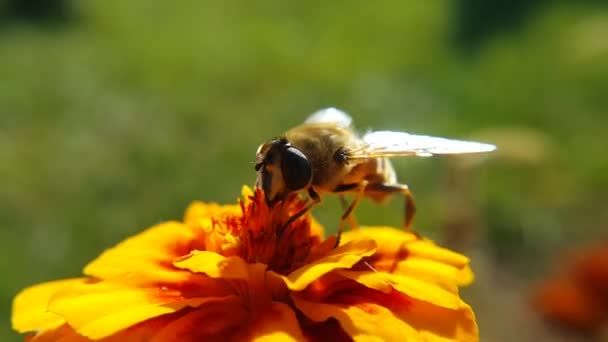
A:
63, 333
213, 321
344, 256
214, 265
226, 320
440, 324
404, 253
364, 313
316, 229
427, 250
101, 309
329, 330
363, 322
30, 306
276, 323
435, 272
410, 286
198, 211
388, 238
249, 280
148, 255
565, 301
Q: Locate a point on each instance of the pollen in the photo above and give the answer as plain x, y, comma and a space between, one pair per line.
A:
259, 232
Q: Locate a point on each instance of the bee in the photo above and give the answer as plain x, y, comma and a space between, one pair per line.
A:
326, 155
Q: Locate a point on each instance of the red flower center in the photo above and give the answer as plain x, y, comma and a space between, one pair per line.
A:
264, 237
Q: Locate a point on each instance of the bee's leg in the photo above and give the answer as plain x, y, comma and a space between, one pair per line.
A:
409, 208
401, 254
360, 190
352, 220
314, 200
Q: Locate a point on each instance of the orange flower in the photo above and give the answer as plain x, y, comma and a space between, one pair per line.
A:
236, 273
577, 296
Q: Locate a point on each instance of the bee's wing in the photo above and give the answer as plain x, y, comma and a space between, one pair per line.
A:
330, 115
401, 144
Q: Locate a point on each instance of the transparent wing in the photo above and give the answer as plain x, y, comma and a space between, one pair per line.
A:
330, 115
396, 144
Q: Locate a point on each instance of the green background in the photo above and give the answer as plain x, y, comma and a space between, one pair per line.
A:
114, 115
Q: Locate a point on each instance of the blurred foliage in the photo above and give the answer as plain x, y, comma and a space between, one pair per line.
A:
115, 116
35, 11
480, 20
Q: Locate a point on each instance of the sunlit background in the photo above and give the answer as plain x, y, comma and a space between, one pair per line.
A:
114, 115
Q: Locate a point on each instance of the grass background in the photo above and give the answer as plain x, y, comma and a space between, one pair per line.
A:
114, 115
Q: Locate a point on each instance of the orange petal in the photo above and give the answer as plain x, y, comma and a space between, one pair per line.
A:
329, 330
148, 255
233, 268
228, 320
63, 333
392, 316
407, 254
275, 323
563, 300
212, 322
30, 306
344, 256
316, 229
102, 309
410, 286
369, 322
440, 324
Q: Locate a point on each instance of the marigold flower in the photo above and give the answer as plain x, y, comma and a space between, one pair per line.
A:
234, 272
576, 297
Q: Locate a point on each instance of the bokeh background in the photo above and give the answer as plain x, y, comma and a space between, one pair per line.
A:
114, 115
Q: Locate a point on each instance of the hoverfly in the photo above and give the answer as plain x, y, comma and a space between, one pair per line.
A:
326, 155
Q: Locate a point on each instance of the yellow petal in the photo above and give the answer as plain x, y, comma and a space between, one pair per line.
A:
344, 256
214, 265
388, 238
30, 306
316, 229
391, 240
148, 255
200, 210
440, 324
425, 249
362, 321
367, 314
212, 321
102, 309
232, 268
412, 287
435, 272
246, 192
276, 323
437, 314
405, 253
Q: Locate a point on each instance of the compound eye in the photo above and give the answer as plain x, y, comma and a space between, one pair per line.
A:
296, 168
